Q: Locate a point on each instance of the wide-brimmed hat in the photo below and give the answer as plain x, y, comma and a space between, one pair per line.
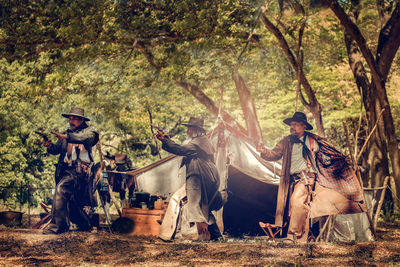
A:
299, 117
195, 122
75, 111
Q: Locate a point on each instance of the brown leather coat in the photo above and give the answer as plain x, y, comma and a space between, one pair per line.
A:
282, 150
333, 173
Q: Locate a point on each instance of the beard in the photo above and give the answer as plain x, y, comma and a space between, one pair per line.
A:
72, 126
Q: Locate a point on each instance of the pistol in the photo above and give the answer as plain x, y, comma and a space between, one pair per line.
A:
43, 135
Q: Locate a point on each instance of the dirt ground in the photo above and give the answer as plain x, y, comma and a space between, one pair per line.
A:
27, 247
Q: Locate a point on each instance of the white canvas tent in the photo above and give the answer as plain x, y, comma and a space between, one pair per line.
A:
253, 182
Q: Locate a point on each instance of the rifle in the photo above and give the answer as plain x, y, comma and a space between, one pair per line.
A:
43, 135
158, 128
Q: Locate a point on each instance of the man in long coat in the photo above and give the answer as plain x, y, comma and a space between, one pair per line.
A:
311, 168
74, 147
202, 178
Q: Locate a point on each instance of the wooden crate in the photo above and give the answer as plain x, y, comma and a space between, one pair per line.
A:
145, 220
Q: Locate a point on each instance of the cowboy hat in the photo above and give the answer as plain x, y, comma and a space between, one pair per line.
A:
298, 117
195, 122
75, 111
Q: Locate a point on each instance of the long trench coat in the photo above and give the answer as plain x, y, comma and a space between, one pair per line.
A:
198, 159
334, 172
73, 191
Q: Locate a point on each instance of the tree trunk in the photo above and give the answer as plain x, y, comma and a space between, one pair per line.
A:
249, 110
388, 44
313, 106
374, 159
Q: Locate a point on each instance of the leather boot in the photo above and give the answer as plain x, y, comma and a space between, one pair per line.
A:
215, 233
202, 230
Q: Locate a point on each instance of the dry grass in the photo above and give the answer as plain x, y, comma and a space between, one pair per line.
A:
26, 247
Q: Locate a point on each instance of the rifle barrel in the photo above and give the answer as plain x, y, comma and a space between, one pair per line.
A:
158, 128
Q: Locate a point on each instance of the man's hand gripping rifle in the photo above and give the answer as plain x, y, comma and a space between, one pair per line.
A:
46, 141
160, 134
42, 135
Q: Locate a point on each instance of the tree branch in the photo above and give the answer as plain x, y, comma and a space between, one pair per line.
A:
249, 110
388, 43
210, 105
352, 28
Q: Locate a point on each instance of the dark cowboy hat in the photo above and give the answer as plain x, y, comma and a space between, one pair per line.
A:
195, 122
75, 111
299, 117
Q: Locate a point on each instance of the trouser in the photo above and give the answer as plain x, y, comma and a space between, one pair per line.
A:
197, 207
66, 205
299, 208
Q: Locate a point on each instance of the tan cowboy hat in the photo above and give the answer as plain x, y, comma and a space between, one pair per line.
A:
299, 117
195, 122
75, 111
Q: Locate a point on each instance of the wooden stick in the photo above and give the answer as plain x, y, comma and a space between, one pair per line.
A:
102, 165
373, 189
330, 227
152, 132
348, 144
46, 224
45, 207
380, 203
323, 229
359, 127
43, 220
114, 200
369, 136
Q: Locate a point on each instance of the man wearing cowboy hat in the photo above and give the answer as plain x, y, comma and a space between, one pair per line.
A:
202, 179
309, 163
74, 147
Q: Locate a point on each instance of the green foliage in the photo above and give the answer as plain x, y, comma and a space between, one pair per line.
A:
31, 25
120, 60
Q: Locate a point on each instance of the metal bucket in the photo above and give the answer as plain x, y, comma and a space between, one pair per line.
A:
11, 218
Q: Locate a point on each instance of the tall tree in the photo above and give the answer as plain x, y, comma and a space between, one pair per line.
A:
296, 61
388, 44
374, 160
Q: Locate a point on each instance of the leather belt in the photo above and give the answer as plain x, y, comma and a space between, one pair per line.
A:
298, 176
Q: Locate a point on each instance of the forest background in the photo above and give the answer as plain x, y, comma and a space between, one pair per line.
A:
249, 63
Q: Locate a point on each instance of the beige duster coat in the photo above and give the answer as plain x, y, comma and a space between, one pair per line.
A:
335, 177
